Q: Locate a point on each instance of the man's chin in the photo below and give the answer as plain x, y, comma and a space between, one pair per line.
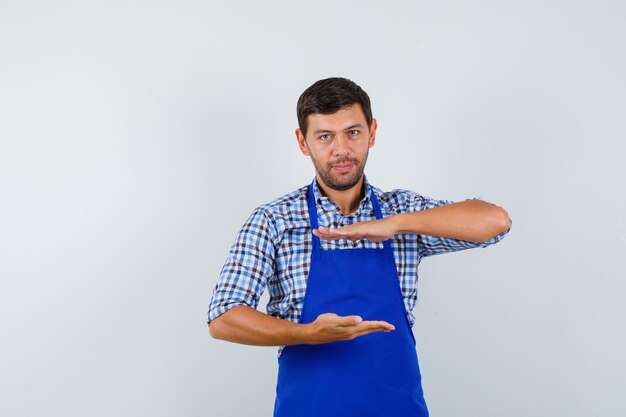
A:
342, 184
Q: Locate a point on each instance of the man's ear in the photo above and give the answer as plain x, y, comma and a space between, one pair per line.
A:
373, 127
302, 142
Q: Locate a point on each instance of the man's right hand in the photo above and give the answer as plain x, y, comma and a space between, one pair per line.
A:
246, 325
329, 327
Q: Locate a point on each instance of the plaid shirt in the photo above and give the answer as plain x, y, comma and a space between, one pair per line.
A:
273, 250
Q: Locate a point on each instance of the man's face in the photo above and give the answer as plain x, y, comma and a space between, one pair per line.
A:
338, 145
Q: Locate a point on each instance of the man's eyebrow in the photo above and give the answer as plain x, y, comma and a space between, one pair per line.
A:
319, 131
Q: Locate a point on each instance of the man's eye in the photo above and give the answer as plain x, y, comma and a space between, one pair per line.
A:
325, 137
354, 132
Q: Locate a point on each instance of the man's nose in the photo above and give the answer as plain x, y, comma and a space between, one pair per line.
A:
342, 145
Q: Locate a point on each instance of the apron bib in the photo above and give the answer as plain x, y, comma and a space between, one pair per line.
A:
374, 375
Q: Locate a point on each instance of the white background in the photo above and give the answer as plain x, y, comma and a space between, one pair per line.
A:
137, 137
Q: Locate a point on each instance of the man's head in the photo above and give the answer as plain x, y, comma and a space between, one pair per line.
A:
329, 95
336, 130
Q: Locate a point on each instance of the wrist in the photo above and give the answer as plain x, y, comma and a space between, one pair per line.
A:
303, 333
398, 223
406, 223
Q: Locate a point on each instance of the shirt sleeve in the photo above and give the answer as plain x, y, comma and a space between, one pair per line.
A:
434, 245
249, 266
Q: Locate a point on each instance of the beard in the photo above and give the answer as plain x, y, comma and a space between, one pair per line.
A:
340, 182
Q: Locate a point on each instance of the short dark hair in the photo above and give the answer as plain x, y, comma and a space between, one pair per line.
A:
329, 95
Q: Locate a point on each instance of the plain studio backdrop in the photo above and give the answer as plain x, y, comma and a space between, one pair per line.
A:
137, 137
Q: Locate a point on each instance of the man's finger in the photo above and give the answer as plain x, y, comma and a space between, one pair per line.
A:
349, 320
334, 234
369, 331
341, 231
376, 324
324, 236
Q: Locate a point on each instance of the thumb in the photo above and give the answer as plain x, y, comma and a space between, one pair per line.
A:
350, 320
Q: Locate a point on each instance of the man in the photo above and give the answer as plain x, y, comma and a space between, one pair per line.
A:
340, 258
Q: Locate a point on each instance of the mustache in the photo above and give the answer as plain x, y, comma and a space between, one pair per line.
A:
343, 161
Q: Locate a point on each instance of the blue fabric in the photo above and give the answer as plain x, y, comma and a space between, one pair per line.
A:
373, 375
273, 248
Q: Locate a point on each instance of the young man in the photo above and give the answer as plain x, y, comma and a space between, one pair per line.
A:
339, 258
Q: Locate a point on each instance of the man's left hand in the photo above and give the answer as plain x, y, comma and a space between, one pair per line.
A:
373, 230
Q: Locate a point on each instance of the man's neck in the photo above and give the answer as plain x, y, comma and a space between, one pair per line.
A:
347, 200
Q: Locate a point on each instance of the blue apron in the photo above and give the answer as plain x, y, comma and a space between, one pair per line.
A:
374, 375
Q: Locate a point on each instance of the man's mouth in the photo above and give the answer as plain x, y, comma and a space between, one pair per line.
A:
343, 167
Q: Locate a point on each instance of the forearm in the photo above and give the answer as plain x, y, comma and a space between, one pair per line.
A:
245, 325
471, 220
